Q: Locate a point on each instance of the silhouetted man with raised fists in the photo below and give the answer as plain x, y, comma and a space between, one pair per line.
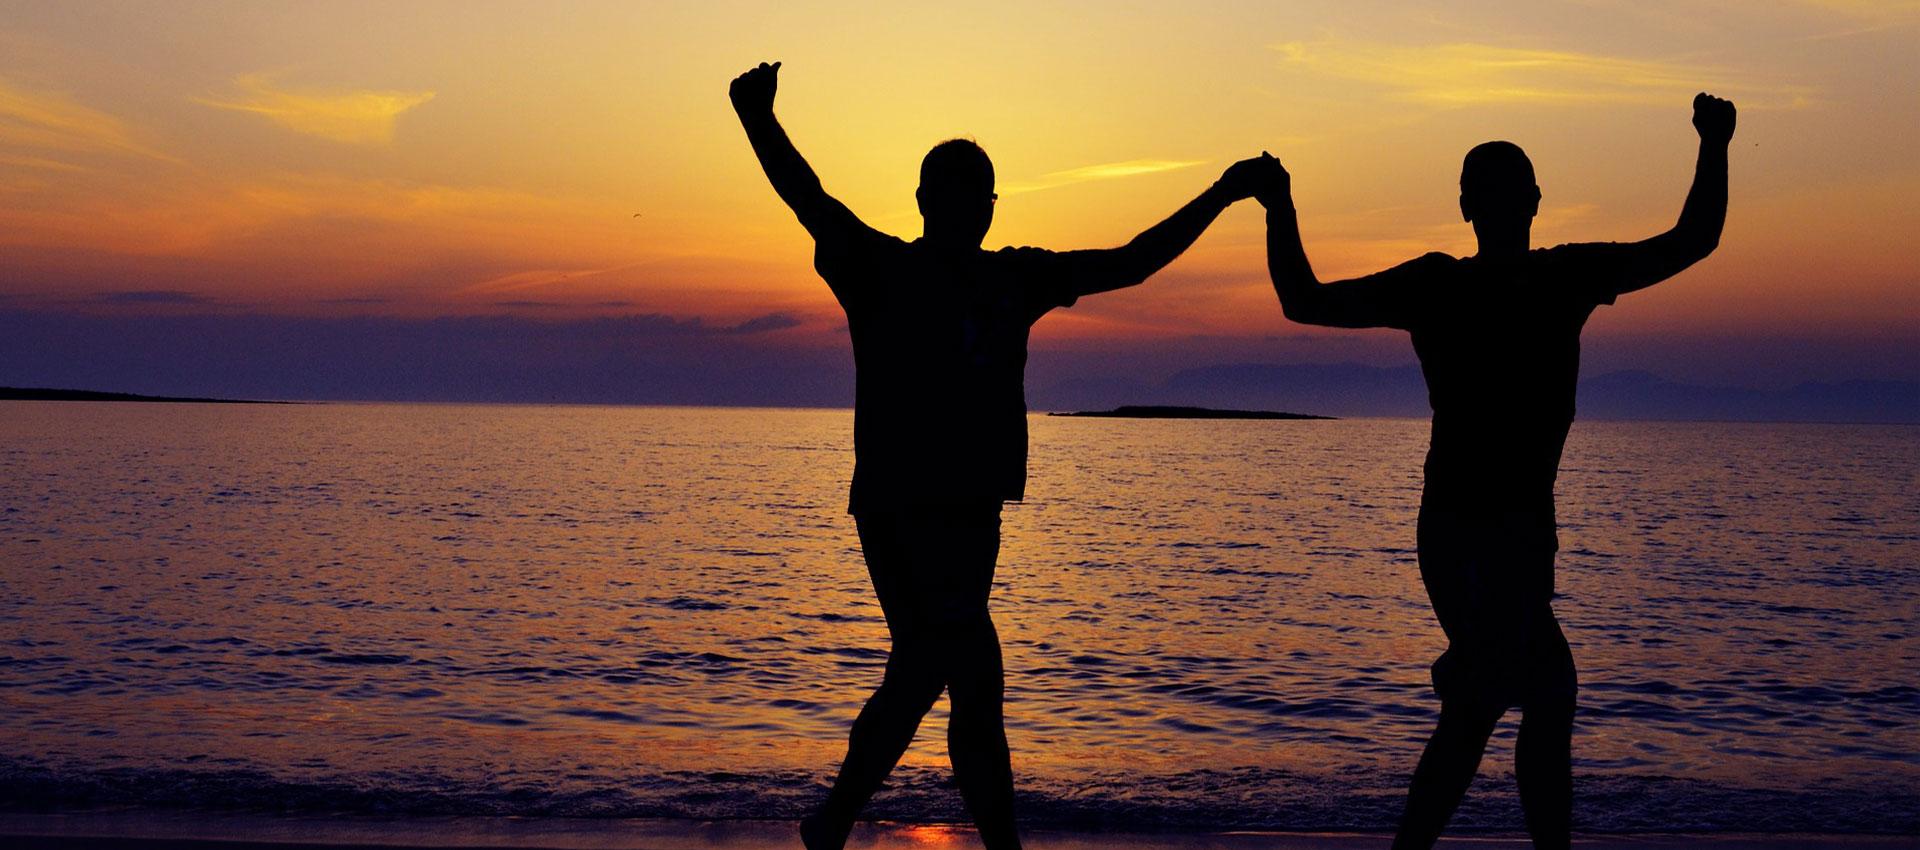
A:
1498, 337
939, 328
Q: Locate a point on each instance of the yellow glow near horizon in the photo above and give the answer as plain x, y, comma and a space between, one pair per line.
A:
454, 158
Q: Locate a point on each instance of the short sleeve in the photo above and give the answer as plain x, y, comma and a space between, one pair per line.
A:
1588, 272
1398, 297
1043, 278
851, 262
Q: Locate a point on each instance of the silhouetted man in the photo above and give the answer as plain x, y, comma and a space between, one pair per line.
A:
939, 330
1498, 336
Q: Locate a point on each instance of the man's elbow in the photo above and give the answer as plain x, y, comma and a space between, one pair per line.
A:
1129, 265
1300, 310
1699, 245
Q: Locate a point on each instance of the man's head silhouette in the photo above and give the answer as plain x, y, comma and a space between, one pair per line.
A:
956, 193
1497, 191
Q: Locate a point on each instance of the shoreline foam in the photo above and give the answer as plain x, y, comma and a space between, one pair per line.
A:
154, 829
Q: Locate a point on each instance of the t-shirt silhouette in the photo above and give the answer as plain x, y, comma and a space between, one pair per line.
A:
1499, 344
940, 353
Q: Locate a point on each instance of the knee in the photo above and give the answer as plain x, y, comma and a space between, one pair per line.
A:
1557, 686
1472, 685
1471, 713
1553, 705
963, 637
972, 664
915, 674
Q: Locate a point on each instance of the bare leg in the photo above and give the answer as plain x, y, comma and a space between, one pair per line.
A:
1543, 757
977, 736
933, 575
880, 735
1446, 769
1543, 765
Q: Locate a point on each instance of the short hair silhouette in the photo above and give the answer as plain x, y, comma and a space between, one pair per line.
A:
1496, 179
956, 192
957, 165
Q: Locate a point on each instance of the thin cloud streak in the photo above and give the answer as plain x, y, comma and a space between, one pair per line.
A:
1102, 171
350, 117
152, 296
41, 163
53, 122
1466, 74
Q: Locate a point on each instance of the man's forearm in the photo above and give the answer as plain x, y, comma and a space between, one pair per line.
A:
1704, 215
785, 168
1287, 263
1158, 245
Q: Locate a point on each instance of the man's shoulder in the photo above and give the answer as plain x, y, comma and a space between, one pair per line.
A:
1590, 271
1572, 251
1432, 264
1022, 253
856, 240
865, 249
1024, 262
881, 240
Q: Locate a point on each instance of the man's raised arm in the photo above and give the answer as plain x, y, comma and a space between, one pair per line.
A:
1638, 265
823, 216
1378, 300
1107, 269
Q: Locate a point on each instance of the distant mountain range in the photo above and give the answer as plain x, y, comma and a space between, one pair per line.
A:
1341, 389
1155, 411
661, 359
50, 394
1352, 389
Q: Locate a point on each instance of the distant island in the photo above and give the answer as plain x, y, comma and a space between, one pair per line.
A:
1156, 411
44, 394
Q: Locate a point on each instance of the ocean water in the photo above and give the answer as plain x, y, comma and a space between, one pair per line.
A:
639, 612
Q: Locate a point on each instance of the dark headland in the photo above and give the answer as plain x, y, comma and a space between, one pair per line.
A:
44, 394
1155, 411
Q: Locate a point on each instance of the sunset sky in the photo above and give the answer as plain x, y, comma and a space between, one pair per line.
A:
201, 163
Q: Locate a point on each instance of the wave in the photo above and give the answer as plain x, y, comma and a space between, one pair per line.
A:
1193, 801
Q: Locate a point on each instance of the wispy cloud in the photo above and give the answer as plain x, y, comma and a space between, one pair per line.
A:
1865, 17
1471, 74
1881, 10
49, 121
152, 296
352, 117
766, 323
1103, 171
40, 163
534, 279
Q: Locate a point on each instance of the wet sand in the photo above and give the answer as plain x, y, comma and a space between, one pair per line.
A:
125, 830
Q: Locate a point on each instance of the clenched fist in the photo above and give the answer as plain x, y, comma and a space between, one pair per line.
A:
752, 92
1713, 118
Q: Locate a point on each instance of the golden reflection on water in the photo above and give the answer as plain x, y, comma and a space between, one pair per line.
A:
586, 595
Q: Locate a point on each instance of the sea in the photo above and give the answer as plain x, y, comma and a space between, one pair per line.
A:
631, 612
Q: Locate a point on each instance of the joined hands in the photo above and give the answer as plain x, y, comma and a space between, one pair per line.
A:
1260, 177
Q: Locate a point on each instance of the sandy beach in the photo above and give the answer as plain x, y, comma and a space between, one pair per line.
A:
148, 830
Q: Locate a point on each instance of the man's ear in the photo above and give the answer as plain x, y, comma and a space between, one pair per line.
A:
1465, 213
1534, 208
920, 200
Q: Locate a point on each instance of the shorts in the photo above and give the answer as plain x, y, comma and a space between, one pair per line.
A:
1491, 585
932, 568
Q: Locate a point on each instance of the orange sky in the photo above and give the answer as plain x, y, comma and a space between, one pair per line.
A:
453, 158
